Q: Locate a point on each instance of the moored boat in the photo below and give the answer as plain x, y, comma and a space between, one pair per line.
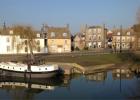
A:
28, 71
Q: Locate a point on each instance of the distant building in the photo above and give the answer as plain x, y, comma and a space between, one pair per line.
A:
79, 41
136, 29
95, 37
123, 39
58, 39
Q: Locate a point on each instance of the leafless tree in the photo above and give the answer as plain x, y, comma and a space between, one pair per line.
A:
138, 16
28, 33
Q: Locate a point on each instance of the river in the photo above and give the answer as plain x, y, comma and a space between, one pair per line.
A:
109, 84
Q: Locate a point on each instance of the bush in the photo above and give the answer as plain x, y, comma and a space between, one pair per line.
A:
85, 48
77, 49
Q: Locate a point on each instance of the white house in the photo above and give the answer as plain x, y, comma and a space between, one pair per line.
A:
14, 44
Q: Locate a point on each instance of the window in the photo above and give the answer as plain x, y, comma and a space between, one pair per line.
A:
65, 41
8, 40
64, 34
8, 48
128, 33
99, 30
25, 42
94, 30
52, 34
123, 45
118, 45
94, 37
99, 37
38, 49
26, 49
38, 42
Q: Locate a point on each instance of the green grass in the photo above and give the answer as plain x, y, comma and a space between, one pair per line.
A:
87, 60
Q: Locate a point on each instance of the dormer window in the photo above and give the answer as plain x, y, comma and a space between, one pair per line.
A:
52, 34
64, 34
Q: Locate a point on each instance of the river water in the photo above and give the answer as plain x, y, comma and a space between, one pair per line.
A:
110, 84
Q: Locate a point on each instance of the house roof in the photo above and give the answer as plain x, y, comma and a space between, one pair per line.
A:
59, 33
123, 32
94, 27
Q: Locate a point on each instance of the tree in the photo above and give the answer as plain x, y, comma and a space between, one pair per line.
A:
28, 33
138, 16
136, 29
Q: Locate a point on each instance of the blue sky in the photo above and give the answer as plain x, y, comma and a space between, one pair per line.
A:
73, 12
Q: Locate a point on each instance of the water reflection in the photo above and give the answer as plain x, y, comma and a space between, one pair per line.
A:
100, 76
123, 73
116, 83
19, 88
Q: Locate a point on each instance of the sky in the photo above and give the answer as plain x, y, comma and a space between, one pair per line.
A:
76, 13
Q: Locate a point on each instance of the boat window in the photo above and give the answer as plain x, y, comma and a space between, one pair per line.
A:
8, 67
39, 69
3, 66
13, 67
45, 68
20, 68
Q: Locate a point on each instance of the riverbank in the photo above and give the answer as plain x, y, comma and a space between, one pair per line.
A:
83, 60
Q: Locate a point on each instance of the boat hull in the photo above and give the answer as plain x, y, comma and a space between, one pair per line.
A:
29, 74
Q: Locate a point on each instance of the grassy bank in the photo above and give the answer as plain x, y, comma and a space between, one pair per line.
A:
84, 60
90, 60
87, 60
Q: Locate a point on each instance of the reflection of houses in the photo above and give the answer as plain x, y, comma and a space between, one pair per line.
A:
95, 37
59, 39
79, 41
123, 39
122, 73
101, 76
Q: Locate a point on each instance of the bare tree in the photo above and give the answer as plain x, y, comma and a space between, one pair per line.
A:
138, 16
28, 33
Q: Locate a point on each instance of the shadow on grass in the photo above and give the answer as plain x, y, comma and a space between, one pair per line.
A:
131, 57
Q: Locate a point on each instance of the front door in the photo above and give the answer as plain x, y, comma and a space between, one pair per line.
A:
59, 50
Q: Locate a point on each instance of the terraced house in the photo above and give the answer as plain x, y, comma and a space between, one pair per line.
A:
123, 39
58, 39
95, 37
